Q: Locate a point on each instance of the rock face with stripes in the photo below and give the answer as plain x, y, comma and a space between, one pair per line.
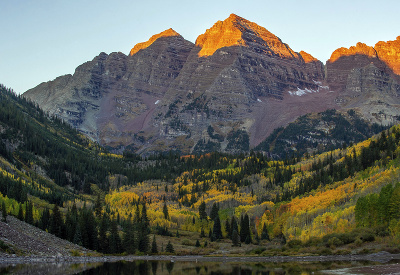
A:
227, 91
368, 79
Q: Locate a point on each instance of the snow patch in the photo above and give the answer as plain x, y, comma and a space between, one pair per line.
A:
158, 101
259, 100
301, 92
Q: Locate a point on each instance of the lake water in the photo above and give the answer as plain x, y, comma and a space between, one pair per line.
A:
188, 268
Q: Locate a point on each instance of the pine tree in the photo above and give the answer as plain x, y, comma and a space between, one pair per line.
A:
198, 243
165, 211
29, 213
115, 240
235, 238
245, 229
217, 233
228, 229
202, 234
214, 211
44, 219
234, 226
154, 249
264, 233
144, 230
202, 211
56, 222
103, 240
78, 236
70, 224
169, 248
3, 212
129, 238
20, 215
97, 206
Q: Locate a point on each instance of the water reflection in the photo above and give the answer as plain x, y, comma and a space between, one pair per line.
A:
185, 268
218, 268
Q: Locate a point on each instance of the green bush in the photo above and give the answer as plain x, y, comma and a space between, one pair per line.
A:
3, 245
334, 241
367, 237
326, 251
186, 242
294, 244
258, 250
313, 241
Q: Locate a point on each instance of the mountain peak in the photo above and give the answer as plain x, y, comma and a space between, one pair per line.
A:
308, 58
360, 48
143, 45
389, 52
237, 31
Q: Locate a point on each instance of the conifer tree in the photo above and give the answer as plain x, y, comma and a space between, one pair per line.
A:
234, 226
154, 249
165, 211
78, 235
29, 213
217, 233
202, 211
20, 215
44, 219
144, 230
97, 207
235, 238
245, 229
56, 222
115, 240
264, 233
129, 238
214, 211
228, 229
3, 212
103, 240
169, 248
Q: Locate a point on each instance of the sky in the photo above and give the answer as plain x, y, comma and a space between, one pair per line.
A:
43, 39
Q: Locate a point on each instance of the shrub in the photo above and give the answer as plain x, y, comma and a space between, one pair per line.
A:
367, 237
313, 241
3, 245
334, 242
186, 242
326, 251
294, 244
342, 252
257, 250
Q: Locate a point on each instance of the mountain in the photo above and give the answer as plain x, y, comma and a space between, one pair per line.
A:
368, 79
168, 91
226, 92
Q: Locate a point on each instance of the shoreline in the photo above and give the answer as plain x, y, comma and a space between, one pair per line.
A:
381, 257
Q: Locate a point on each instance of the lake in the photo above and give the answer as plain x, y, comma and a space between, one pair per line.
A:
152, 267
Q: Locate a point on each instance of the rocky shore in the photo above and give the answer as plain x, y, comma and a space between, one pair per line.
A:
381, 257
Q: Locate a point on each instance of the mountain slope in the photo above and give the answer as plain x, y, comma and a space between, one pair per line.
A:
301, 200
318, 132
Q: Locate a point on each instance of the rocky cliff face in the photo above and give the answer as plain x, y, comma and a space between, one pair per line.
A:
367, 78
227, 92
112, 97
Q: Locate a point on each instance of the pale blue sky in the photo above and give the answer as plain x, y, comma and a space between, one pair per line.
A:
43, 39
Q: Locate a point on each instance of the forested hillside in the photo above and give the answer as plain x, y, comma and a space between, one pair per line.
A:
316, 133
335, 202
